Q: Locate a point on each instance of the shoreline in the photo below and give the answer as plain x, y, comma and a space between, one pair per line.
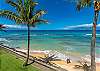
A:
62, 63
60, 55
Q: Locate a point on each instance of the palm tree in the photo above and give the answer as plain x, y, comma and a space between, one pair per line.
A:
84, 3
25, 14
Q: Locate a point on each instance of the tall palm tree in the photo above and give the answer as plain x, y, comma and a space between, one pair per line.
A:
25, 14
84, 3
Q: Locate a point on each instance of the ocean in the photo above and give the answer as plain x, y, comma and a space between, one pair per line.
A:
64, 41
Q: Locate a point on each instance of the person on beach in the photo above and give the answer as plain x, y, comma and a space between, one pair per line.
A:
68, 60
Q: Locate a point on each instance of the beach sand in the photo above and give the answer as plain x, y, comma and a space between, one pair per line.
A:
70, 66
62, 63
38, 55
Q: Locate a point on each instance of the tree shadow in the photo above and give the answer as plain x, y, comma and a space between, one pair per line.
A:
24, 68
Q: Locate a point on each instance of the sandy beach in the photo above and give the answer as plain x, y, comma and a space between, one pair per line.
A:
62, 63
50, 32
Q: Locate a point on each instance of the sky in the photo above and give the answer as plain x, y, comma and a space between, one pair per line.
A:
61, 15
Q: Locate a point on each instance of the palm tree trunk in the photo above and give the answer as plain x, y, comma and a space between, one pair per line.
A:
26, 63
93, 42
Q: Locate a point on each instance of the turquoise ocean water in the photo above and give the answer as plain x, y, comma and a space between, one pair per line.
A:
72, 41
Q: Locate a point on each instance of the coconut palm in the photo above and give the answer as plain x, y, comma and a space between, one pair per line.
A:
82, 4
25, 14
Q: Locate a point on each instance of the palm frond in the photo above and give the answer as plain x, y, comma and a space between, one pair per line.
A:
38, 15
20, 2
29, 6
39, 21
25, 12
32, 4
83, 3
11, 15
18, 7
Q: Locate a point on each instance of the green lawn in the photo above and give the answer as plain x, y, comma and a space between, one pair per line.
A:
8, 62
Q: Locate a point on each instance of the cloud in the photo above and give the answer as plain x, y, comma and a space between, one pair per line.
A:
79, 26
18, 27
98, 25
15, 26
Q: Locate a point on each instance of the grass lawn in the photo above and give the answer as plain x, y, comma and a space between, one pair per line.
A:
8, 62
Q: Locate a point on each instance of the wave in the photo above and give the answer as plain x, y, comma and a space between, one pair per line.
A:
64, 56
15, 34
88, 57
3, 39
68, 48
18, 35
98, 35
45, 34
88, 34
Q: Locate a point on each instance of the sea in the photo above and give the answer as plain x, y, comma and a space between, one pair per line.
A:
76, 42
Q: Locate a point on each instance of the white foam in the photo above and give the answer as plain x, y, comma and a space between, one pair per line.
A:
3, 39
88, 58
91, 34
88, 34
63, 56
68, 48
46, 34
15, 34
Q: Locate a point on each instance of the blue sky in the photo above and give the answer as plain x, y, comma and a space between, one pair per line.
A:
61, 14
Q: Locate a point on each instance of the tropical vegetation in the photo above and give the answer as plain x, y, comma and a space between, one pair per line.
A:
84, 3
25, 14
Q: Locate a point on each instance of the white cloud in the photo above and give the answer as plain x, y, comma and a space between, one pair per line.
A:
18, 26
98, 25
79, 26
15, 26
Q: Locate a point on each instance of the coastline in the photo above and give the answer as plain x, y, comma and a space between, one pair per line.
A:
61, 63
